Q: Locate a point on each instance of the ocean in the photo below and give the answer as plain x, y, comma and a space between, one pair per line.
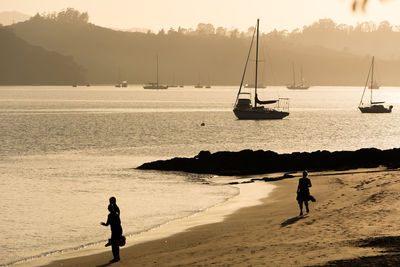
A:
64, 151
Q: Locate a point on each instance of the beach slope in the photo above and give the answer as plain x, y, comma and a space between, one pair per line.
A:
353, 209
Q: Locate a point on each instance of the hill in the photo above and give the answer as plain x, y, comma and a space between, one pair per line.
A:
192, 56
24, 64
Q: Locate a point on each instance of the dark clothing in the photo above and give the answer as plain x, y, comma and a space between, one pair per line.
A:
116, 232
114, 208
115, 223
303, 192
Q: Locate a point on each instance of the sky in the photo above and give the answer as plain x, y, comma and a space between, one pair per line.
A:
241, 14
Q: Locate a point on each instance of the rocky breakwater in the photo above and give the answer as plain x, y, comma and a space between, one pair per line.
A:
258, 162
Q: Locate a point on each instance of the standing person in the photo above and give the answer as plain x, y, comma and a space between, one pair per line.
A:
303, 192
116, 232
113, 202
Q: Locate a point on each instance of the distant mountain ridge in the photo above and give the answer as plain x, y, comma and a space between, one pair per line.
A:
10, 17
25, 64
192, 56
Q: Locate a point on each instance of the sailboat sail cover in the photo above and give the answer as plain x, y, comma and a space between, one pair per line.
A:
379, 102
265, 102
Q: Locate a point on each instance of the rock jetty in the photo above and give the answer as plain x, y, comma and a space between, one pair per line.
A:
258, 162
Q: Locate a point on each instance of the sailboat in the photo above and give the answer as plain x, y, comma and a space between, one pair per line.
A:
246, 109
299, 86
155, 85
208, 84
121, 83
198, 85
372, 106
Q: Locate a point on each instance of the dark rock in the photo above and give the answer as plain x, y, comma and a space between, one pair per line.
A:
248, 162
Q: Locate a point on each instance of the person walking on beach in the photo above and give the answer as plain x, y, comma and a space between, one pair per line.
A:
116, 232
303, 192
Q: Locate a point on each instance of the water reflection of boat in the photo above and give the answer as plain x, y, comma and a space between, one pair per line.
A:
372, 106
246, 110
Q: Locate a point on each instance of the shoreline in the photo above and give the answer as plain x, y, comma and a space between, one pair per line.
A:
248, 195
353, 209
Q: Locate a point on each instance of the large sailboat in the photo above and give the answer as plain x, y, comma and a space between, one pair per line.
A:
298, 86
155, 85
372, 106
246, 107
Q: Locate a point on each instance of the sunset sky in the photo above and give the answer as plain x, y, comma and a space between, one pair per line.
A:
241, 14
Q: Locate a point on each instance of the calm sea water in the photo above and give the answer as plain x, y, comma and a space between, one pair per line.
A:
64, 151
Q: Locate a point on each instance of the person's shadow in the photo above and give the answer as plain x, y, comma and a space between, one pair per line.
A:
292, 220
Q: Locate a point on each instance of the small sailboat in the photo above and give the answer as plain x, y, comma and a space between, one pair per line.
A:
199, 85
155, 85
246, 109
372, 106
121, 83
208, 84
297, 86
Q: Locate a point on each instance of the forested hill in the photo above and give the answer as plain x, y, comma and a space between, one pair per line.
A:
25, 64
191, 56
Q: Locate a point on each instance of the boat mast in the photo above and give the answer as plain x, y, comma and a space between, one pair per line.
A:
255, 85
157, 69
365, 87
372, 78
301, 76
294, 75
245, 67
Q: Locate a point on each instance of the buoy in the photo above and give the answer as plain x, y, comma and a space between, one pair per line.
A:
202, 124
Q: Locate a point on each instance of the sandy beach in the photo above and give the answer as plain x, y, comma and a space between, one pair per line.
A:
352, 207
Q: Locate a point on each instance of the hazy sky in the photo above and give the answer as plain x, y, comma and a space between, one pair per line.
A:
241, 14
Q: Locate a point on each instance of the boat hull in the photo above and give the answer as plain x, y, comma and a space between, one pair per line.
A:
259, 114
155, 87
376, 109
297, 87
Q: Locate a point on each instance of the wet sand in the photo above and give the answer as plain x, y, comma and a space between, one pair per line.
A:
351, 206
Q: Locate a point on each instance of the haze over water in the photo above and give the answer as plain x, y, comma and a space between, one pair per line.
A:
65, 150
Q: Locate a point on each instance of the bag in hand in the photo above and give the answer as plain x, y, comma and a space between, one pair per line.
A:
312, 198
122, 241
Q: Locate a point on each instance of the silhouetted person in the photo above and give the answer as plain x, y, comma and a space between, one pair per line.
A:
116, 232
303, 192
113, 202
